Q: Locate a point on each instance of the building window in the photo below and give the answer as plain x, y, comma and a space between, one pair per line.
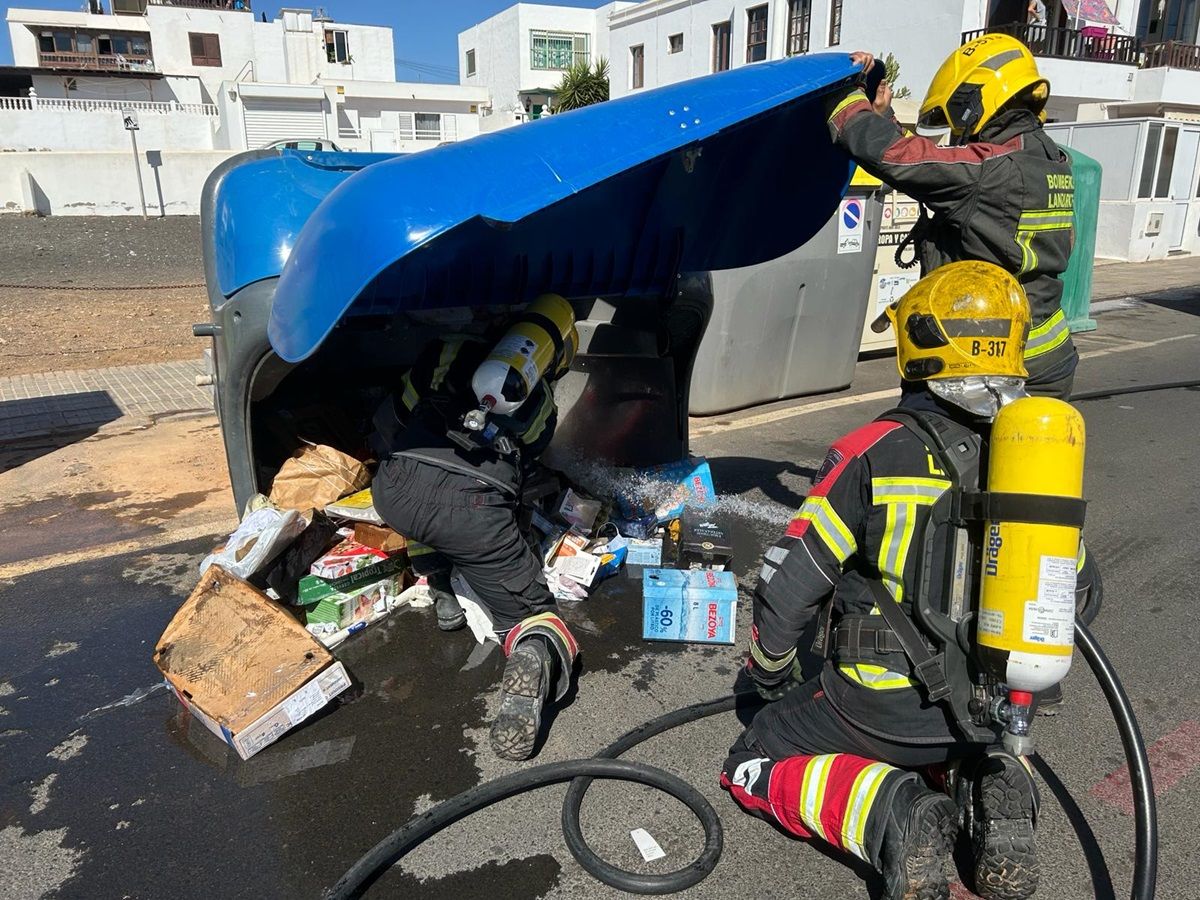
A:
721, 43
337, 46
1149, 161
429, 126
557, 49
637, 66
206, 49
799, 23
756, 34
675, 43
470, 62
835, 22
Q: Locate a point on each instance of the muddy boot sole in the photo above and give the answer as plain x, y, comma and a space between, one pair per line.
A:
1006, 863
522, 695
918, 871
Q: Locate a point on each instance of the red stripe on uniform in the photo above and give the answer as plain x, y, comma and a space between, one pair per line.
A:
914, 150
836, 805
839, 121
852, 445
784, 783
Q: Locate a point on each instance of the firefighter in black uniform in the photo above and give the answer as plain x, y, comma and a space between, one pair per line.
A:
455, 493
833, 758
1002, 192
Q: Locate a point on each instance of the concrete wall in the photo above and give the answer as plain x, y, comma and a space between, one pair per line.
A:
57, 129
87, 184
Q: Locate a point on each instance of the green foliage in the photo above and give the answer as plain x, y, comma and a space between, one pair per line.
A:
891, 73
582, 85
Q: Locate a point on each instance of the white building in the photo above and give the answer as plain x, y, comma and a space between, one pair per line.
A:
213, 74
1143, 62
518, 55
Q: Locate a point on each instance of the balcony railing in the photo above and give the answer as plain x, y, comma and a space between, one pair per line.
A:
30, 104
1068, 43
138, 7
1173, 55
110, 62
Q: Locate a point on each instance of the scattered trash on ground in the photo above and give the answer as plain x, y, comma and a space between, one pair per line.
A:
312, 564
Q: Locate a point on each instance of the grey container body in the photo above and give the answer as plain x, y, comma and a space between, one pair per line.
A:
787, 327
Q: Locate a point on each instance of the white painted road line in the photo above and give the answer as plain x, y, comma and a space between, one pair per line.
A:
779, 415
117, 548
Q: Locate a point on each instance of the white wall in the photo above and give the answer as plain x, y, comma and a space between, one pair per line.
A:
920, 42
87, 184
181, 88
56, 129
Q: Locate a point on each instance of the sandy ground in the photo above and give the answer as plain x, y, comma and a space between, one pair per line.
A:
65, 298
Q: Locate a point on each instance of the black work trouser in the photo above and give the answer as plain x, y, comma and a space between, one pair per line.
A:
470, 525
1053, 374
805, 723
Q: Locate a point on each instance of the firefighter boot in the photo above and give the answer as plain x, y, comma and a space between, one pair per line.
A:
450, 615
1001, 808
523, 691
918, 840
541, 655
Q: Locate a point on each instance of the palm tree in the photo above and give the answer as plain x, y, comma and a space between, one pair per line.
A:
582, 85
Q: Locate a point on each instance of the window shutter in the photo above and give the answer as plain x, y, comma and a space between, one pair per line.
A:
213, 49
408, 126
196, 43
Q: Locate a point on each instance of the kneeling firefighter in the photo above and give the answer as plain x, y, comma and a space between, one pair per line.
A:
471, 418
943, 585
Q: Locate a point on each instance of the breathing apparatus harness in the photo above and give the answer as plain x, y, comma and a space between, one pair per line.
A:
940, 643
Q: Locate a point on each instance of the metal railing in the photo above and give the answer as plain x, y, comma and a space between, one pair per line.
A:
82, 105
1068, 43
110, 62
1172, 55
138, 7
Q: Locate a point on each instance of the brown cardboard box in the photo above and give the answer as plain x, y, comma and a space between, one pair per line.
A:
379, 537
243, 666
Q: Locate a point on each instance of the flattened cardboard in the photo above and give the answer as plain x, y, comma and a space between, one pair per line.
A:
243, 666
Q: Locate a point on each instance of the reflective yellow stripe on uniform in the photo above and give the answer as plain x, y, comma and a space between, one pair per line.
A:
829, 526
538, 424
812, 793
1081, 558
862, 798
765, 662
416, 549
409, 396
878, 678
445, 360
1048, 335
850, 98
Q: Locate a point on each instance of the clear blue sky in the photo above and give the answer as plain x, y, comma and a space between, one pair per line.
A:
425, 32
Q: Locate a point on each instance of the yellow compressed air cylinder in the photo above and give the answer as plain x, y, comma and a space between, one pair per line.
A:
542, 339
1026, 622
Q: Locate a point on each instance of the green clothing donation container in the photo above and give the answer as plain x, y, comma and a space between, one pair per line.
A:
1077, 280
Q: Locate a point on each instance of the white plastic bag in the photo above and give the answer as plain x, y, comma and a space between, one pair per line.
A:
261, 536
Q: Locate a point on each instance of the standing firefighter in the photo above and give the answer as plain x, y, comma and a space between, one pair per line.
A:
1001, 193
835, 757
472, 416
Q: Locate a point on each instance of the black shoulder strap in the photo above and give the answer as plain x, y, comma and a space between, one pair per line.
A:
928, 668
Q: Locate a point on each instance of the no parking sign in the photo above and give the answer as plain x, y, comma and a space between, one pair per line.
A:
850, 225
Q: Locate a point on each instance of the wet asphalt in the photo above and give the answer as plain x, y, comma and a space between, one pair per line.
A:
107, 789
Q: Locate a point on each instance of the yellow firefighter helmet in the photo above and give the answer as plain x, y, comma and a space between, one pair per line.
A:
965, 318
977, 80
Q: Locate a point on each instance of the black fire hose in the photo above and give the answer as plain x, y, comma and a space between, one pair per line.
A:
1145, 864
580, 772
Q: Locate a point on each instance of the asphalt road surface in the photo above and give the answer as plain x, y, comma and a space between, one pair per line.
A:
109, 791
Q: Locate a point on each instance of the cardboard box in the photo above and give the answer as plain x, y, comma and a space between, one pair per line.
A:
704, 542
244, 667
663, 491
692, 605
347, 557
379, 537
573, 560
328, 609
645, 553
